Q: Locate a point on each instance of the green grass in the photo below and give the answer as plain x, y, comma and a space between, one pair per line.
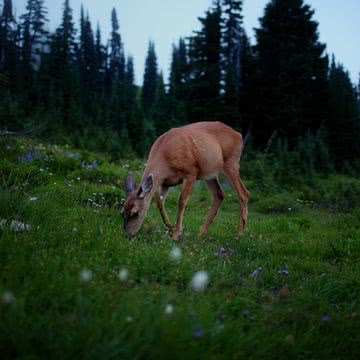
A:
310, 231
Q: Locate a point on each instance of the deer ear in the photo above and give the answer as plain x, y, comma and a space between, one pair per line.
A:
146, 186
129, 185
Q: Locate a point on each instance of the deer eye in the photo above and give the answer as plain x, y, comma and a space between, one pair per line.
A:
134, 214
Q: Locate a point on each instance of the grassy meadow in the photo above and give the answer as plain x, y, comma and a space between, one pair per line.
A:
72, 286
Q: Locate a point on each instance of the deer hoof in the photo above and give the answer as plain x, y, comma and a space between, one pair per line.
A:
202, 232
177, 235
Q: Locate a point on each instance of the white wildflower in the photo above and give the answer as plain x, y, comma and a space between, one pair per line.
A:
7, 297
123, 274
169, 309
175, 254
18, 226
33, 198
129, 319
85, 275
200, 281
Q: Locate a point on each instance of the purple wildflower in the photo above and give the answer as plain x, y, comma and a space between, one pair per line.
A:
284, 272
28, 157
89, 166
245, 313
223, 252
256, 272
198, 331
325, 318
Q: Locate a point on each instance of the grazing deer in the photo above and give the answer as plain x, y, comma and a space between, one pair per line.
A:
184, 155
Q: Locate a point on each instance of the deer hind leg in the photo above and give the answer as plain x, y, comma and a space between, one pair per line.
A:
218, 196
188, 184
160, 201
231, 170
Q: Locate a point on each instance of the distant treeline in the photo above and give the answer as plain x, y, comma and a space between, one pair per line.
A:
79, 88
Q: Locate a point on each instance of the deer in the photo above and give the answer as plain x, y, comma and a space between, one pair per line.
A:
183, 155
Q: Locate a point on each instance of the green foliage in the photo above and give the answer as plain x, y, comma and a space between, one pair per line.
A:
305, 288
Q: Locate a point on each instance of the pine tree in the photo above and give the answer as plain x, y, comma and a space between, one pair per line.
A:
343, 124
67, 32
7, 27
150, 84
205, 67
161, 115
62, 60
34, 21
87, 60
178, 71
117, 57
292, 72
8, 43
176, 99
232, 44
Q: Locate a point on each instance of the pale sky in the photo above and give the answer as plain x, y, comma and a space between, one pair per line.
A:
164, 21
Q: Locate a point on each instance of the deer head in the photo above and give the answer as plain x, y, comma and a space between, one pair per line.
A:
136, 204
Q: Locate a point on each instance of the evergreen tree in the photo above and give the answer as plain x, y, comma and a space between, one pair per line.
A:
115, 81
232, 44
7, 28
292, 71
34, 21
343, 124
62, 57
117, 57
87, 64
150, 84
8, 44
205, 67
178, 70
66, 33
161, 115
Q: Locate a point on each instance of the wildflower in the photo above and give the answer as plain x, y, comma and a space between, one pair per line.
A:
290, 209
18, 226
33, 198
256, 272
198, 331
7, 297
284, 272
129, 319
123, 274
199, 281
175, 254
89, 166
169, 309
85, 275
245, 313
28, 157
75, 229
223, 252
325, 318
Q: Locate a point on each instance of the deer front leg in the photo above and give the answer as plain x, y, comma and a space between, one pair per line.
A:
160, 201
188, 184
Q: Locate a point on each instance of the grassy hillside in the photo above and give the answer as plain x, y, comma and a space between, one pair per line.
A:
72, 286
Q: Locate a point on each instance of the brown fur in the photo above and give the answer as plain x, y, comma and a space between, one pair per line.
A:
184, 155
